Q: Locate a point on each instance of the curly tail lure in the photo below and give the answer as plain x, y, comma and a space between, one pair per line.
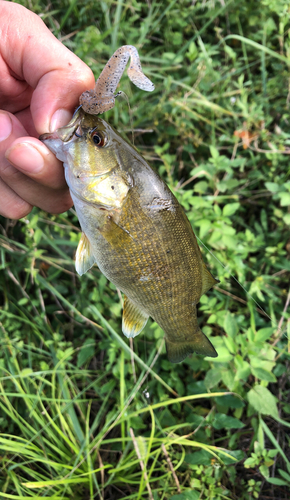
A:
102, 97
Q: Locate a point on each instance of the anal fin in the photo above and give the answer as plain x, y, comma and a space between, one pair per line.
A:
208, 281
84, 256
134, 319
199, 343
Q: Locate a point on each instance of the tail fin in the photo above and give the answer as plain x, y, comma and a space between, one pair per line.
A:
178, 351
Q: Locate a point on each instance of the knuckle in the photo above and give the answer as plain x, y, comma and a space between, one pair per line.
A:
17, 210
9, 173
64, 204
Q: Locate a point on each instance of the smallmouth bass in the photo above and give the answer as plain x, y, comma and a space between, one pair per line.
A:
135, 230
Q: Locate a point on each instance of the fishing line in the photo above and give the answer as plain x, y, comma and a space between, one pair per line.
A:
243, 288
124, 96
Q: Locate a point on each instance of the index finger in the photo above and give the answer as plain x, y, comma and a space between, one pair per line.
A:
34, 55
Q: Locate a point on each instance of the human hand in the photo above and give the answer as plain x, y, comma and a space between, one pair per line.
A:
40, 84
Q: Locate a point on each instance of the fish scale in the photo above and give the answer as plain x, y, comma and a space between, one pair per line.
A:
137, 233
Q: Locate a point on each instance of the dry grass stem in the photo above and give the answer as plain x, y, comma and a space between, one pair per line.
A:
141, 464
225, 292
102, 474
171, 468
133, 361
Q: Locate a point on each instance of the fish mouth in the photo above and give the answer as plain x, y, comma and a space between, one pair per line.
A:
48, 136
64, 133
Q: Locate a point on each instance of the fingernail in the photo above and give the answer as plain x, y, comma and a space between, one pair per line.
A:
5, 126
26, 158
59, 119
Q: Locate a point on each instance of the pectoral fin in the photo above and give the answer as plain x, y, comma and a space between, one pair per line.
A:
84, 256
116, 235
134, 319
208, 281
199, 343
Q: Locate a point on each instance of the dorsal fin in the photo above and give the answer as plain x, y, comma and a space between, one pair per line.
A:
134, 319
84, 256
208, 281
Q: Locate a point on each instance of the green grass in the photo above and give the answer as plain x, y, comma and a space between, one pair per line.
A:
84, 413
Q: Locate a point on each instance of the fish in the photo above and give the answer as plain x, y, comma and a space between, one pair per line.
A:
135, 231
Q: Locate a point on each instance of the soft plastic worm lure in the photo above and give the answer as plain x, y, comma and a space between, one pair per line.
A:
102, 98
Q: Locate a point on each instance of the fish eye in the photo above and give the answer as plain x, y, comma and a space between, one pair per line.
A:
98, 138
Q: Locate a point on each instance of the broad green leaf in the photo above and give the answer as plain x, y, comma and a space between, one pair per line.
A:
273, 453
167, 419
224, 356
37, 236
201, 187
230, 344
264, 471
263, 334
137, 423
23, 301
198, 458
236, 454
263, 401
263, 374
243, 368
212, 378
86, 352
230, 325
230, 242
285, 199
222, 421
204, 227
250, 462
192, 52
277, 481
284, 474
229, 379
272, 186
214, 152
230, 209
232, 401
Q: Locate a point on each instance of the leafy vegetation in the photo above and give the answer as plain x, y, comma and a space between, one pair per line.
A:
82, 415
